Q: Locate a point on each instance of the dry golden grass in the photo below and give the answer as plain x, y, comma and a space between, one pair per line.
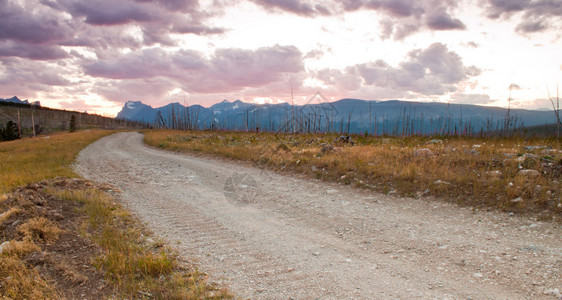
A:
8, 214
470, 171
66, 269
19, 249
133, 266
21, 282
31, 160
40, 229
127, 260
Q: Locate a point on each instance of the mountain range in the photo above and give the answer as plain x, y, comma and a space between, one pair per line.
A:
345, 115
16, 100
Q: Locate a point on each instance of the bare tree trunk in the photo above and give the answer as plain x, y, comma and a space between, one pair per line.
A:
19, 125
33, 123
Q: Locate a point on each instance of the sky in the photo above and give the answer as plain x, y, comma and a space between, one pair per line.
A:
96, 55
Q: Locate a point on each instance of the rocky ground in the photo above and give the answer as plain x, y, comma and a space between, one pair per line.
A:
66, 260
266, 235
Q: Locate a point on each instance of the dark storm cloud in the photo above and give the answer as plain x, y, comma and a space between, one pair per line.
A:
431, 71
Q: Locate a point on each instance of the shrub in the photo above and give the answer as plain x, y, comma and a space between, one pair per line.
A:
9, 133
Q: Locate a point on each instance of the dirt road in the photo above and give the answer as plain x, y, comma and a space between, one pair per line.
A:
266, 235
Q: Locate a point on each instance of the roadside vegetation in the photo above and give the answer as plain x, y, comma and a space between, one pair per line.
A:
31, 160
66, 237
511, 174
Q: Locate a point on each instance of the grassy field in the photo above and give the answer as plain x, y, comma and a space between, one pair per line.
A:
487, 173
32, 228
34, 159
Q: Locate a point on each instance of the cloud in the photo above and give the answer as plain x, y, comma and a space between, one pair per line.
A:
32, 23
35, 52
297, 7
514, 86
145, 63
26, 78
405, 17
471, 44
314, 54
431, 71
402, 17
530, 26
103, 12
102, 38
36, 29
228, 70
537, 15
443, 21
121, 91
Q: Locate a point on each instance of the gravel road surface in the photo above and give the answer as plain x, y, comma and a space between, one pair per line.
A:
265, 235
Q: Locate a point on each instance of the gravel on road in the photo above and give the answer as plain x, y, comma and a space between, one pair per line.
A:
266, 235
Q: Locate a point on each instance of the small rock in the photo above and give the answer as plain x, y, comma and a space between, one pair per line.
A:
3, 246
441, 182
424, 152
516, 200
58, 216
327, 149
478, 275
531, 148
529, 173
525, 156
471, 151
316, 253
449, 149
435, 141
344, 139
40, 210
537, 190
36, 258
554, 292
38, 200
496, 174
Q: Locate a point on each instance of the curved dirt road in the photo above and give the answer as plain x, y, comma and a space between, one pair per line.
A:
303, 238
